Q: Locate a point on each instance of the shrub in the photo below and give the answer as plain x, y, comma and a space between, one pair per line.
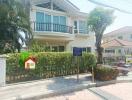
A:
105, 73
49, 64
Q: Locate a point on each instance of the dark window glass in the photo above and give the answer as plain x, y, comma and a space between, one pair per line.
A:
89, 49
75, 27
45, 5
47, 48
84, 49
61, 48
55, 7
120, 37
119, 51
54, 48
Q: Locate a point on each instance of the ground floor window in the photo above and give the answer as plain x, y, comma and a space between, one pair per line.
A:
55, 48
87, 49
109, 51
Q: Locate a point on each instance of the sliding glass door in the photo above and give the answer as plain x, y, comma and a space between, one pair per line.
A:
39, 21
44, 22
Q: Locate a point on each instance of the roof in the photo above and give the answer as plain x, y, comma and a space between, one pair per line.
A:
67, 3
126, 29
72, 4
116, 43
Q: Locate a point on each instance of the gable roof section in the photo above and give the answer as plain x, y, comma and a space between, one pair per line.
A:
72, 4
126, 29
65, 4
117, 43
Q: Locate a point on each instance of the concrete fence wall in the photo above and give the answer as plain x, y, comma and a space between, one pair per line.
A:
2, 70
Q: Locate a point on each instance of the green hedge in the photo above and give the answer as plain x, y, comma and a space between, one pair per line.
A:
103, 73
48, 64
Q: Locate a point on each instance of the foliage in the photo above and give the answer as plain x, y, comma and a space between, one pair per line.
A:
23, 57
48, 64
37, 46
98, 21
105, 73
14, 25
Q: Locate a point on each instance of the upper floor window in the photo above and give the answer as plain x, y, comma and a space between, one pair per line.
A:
82, 27
43, 21
45, 5
120, 37
75, 27
55, 7
49, 6
47, 22
46, 18
43, 17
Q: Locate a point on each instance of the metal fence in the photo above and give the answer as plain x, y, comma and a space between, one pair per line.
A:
16, 74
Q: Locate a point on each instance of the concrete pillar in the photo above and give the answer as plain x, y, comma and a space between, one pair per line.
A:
2, 70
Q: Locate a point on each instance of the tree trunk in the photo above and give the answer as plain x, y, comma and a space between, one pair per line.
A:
99, 55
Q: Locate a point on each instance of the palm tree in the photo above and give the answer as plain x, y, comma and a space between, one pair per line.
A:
14, 25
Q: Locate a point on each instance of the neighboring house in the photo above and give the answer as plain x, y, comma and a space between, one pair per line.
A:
117, 48
124, 33
60, 25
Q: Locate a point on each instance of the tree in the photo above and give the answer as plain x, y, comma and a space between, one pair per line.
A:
14, 25
98, 20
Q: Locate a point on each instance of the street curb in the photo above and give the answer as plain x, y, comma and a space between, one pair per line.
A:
98, 84
103, 94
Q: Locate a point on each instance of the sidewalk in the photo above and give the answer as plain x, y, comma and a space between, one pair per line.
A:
45, 88
37, 90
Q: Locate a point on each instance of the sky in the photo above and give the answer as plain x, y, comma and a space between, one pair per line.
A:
122, 19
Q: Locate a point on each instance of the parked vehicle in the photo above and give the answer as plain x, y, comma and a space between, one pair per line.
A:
123, 68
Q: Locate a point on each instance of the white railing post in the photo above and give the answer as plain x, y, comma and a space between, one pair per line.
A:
2, 70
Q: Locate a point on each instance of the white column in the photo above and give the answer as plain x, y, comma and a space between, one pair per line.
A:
2, 70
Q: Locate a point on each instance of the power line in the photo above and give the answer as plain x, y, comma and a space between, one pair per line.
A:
106, 5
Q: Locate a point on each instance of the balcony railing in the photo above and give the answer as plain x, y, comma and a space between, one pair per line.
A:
52, 27
81, 31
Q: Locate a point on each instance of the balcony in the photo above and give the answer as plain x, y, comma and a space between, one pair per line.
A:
50, 27
52, 31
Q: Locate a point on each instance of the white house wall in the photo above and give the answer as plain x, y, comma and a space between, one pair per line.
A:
85, 40
82, 42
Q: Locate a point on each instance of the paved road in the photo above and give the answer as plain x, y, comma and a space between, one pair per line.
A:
80, 95
120, 90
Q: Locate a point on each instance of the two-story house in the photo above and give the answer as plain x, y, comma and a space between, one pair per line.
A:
60, 25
